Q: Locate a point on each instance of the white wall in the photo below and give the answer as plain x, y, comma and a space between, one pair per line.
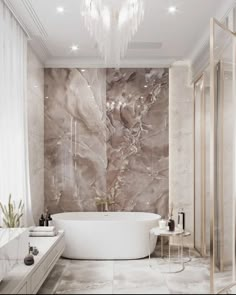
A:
36, 132
181, 145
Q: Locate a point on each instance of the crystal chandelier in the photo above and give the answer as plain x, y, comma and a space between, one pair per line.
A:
112, 23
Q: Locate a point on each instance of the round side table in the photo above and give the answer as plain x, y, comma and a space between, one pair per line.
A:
189, 258
162, 233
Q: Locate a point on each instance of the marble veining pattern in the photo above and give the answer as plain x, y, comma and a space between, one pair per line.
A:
106, 135
13, 249
127, 277
138, 143
75, 139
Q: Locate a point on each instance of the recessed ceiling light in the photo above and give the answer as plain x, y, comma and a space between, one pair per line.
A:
74, 47
83, 70
60, 9
145, 86
172, 9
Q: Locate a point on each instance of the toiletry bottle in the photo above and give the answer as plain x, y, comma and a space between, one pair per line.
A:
47, 218
29, 259
42, 221
50, 221
171, 224
181, 219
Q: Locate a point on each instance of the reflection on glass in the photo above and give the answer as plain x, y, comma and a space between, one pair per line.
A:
224, 209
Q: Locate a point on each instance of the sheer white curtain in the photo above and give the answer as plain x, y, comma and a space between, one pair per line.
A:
14, 162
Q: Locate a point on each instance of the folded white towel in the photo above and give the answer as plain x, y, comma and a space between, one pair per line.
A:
43, 229
43, 234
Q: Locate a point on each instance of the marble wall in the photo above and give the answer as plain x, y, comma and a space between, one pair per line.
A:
106, 135
137, 139
181, 140
35, 92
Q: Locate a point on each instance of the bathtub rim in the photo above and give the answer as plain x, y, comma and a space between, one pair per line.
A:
56, 217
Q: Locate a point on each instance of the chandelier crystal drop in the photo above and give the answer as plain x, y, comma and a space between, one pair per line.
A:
112, 23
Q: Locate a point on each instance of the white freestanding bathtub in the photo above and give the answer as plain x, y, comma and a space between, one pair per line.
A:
107, 236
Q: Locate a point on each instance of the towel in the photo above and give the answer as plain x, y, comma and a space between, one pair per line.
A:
44, 229
43, 234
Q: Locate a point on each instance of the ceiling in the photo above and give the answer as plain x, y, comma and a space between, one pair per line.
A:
162, 38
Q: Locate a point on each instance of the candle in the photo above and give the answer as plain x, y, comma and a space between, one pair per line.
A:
162, 224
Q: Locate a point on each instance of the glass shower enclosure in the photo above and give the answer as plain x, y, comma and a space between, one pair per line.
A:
222, 156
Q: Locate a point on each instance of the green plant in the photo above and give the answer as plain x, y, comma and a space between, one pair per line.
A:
12, 215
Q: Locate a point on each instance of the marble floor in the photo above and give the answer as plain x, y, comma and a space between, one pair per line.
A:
127, 277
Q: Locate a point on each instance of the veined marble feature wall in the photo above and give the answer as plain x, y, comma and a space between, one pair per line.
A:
75, 139
138, 143
106, 134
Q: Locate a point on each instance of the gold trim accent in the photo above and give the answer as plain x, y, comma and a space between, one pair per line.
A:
203, 165
223, 27
234, 172
212, 157
201, 83
199, 92
227, 288
221, 165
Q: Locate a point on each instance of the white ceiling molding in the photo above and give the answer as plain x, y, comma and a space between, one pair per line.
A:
200, 56
99, 63
41, 30
27, 17
11, 7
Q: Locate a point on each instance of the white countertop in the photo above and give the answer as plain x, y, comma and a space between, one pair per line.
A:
6, 235
21, 272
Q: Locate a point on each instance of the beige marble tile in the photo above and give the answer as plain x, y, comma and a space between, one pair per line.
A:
86, 277
181, 145
194, 280
35, 103
128, 277
136, 277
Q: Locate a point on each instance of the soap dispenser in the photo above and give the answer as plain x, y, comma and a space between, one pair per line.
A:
42, 221
181, 219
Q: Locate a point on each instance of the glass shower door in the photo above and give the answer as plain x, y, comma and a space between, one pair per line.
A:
200, 167
222, 156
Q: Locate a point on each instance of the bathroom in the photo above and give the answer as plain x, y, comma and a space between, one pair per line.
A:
116, 161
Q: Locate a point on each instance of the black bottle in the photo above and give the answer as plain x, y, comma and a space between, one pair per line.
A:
42, 221
50, 220
46, 218
171, 224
